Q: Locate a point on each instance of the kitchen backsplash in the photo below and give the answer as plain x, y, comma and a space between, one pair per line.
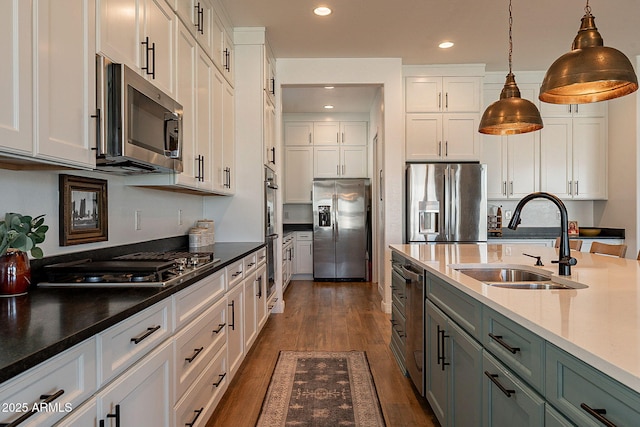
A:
541, 213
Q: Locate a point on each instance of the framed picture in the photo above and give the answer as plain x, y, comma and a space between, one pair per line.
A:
573, 228
83, 210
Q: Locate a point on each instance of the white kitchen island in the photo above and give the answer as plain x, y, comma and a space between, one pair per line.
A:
598, 325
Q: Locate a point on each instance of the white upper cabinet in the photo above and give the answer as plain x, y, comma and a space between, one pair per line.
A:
594, 109
16, 89
51, 77
326, 133
442, 94
140, 34
298, 133
442, 117
198, 17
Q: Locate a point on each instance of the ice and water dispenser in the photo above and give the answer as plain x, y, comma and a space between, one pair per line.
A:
324, 216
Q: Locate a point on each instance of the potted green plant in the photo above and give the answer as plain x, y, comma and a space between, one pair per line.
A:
19, 234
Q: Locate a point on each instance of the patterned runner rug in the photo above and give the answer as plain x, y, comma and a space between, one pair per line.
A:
321, 389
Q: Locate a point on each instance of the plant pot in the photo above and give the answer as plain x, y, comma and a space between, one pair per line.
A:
15, 273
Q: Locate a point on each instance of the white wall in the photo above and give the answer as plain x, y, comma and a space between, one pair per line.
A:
36, 192
386, 72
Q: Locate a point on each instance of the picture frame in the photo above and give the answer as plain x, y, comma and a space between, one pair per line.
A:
83, 210
573, 228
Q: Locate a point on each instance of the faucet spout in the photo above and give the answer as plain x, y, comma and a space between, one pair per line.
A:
565, 260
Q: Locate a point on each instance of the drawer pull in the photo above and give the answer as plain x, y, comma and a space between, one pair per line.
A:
236, 274
251, 264
196, 352
494, 379
220, 328
598, 414
149, 331
498, 339
193, 421
46, 398
115, 415
220, 379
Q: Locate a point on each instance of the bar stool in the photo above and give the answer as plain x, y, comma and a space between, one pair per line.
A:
606, 249
575, 244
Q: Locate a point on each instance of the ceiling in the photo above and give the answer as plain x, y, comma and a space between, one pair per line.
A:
411, 29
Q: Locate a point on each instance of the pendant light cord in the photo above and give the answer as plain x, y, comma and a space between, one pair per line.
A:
510, 37
587, 9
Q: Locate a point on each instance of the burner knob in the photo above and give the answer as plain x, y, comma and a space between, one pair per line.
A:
194, 261
181, 263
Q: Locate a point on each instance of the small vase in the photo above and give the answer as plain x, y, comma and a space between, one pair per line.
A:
15, 273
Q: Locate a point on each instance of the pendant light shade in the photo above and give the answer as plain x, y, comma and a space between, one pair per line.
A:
511, 114
590, 72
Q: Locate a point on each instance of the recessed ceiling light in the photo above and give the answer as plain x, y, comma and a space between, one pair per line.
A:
445, 45
328, 87
328, 107
322, 11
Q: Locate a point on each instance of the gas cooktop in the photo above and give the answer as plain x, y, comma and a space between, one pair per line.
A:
141, 269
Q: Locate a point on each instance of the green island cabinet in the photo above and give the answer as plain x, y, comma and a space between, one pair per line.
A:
483, 368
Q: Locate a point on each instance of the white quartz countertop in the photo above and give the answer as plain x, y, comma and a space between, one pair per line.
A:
599, 324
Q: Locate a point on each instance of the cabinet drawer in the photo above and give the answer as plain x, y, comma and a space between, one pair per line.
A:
250, 263
197, 344
507, 401
398, 326
578, 390
234, 273
304, 235
192, 301
196, 406
261, 256
518, 348
398, 291
463, 309
123, 344
68, 379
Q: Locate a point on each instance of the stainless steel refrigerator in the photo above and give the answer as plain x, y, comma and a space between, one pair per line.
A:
446, 202
341, 229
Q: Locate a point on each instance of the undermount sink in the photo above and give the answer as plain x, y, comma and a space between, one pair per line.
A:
515, 277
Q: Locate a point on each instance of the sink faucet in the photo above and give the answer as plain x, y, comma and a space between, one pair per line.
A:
565, 260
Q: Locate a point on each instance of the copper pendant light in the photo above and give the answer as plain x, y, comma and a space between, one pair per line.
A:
590, 72
511, 114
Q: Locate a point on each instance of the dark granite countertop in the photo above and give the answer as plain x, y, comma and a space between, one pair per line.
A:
553, 232
47, 321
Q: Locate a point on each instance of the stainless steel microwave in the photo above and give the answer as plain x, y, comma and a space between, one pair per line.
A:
140, 127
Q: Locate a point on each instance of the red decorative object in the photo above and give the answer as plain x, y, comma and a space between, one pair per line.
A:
15, 273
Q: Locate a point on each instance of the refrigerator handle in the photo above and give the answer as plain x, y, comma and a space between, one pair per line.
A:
335, 218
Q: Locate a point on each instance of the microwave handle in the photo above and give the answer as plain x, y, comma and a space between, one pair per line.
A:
101, 100
172, 124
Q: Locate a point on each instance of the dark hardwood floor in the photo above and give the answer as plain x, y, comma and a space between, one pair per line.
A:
326, 317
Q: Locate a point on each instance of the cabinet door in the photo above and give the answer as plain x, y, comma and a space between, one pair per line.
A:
85, 415
423, 94
461, 94
353, 163
590, 158
66, 84
228, 138
143, 395
206, 122
228, 57
304, 257
185, 71
436, 386
353, 133
555, 157
423, 136
235, 339
298, 174
523, 164
16, 89
507, 401
160, 27
465, 354
270, 133
119, 36
326, 162
326, 133
249, 320
261, 296
460, 136
494, 155
298, 133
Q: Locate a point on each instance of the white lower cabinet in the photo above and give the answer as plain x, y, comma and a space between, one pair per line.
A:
143, 396
64, 382
235, 333
304, 253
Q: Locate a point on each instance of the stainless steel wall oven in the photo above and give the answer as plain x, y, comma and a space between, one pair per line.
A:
270, 219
